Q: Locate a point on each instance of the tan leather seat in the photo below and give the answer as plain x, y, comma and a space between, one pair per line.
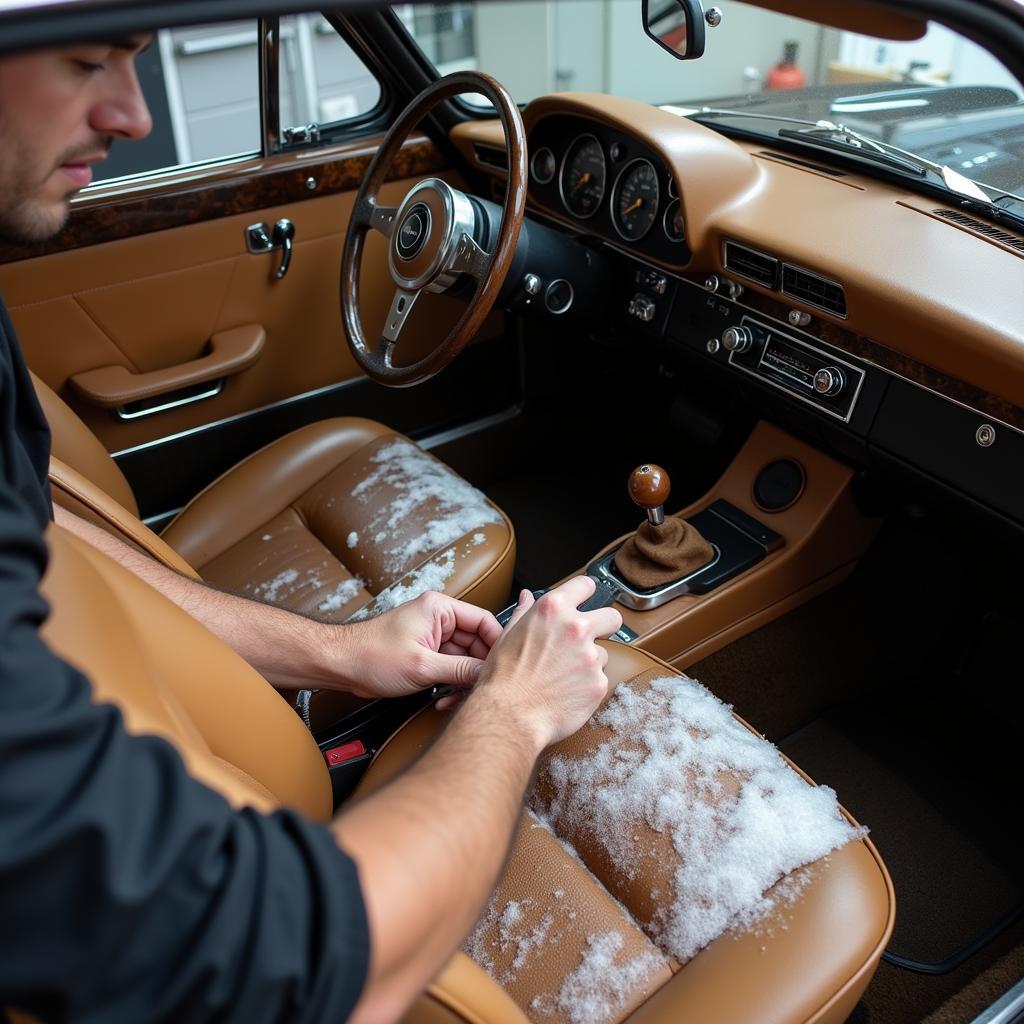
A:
337, 518
809, 962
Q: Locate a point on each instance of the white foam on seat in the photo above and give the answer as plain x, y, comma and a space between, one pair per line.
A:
418, 479
597, 989
431, 576
341, 595
737, 816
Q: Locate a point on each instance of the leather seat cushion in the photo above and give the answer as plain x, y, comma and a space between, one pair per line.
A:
807, 959
337, 513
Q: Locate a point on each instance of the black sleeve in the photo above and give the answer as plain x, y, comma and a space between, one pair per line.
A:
131, 892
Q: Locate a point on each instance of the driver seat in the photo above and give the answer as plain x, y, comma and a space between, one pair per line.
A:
340, 518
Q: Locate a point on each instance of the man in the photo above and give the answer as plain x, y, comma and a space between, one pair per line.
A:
130, 891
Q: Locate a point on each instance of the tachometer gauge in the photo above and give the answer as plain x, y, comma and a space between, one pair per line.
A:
584, 174
635, 200
673, 223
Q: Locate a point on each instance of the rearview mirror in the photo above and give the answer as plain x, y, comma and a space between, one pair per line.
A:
676, 26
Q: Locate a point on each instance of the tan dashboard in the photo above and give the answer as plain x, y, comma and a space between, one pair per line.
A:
929, 299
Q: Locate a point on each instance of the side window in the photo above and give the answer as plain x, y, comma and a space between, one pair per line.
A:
202, 86
322, 80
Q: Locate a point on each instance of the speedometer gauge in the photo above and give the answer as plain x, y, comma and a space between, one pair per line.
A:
584, 174
635, 200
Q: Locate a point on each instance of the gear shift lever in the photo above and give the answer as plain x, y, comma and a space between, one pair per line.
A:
649, 487
662, 550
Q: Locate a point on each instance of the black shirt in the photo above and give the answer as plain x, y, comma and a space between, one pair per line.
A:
128, 890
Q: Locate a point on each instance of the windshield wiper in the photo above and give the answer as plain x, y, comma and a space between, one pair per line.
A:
828, 135
838, 137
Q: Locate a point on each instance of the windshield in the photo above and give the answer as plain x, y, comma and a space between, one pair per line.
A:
940, 97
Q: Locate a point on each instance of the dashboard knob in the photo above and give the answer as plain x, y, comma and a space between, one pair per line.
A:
737, 339
711, 282
829, 381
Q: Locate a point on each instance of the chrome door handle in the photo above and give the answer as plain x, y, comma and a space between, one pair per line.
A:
260, 239
284, 234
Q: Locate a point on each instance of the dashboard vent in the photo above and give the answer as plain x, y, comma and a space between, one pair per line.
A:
491, 156
981, 228
814, 290
754, 265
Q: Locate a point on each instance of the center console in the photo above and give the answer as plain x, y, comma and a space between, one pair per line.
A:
782, 526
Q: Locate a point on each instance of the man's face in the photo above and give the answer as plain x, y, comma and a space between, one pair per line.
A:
60, 111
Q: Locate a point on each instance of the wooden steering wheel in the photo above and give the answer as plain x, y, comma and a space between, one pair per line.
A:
430, 238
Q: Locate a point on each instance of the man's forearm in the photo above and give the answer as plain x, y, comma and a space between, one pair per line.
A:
285, 648
454, 812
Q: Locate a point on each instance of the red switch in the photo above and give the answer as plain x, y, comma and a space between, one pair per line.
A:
344, 753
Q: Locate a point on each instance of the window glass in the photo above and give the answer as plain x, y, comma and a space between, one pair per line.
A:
322, 79
942, 97
202, 86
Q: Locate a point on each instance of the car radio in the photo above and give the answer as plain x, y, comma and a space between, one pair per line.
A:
802, 370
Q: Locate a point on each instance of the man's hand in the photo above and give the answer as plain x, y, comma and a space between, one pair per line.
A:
432, 641
546, 670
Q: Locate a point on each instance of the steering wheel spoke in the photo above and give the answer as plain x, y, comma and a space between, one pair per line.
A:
380, 218
470, 258
401, 304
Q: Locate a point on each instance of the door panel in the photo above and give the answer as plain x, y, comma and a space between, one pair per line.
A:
153, 300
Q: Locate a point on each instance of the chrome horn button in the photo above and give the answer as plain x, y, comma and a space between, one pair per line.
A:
430, 223
413, 232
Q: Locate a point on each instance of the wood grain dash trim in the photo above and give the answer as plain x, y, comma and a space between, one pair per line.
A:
194, 196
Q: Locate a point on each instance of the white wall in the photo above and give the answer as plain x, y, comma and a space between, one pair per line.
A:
952, 58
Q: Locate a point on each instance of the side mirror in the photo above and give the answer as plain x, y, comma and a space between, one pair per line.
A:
678, 25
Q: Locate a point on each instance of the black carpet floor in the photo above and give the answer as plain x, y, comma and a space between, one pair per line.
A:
937, 814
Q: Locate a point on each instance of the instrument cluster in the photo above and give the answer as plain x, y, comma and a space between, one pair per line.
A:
611, 184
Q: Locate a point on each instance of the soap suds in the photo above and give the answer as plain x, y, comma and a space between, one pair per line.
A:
352, 539
431, 576
738, 817
341, 595
418, 479
270, 591
596, 990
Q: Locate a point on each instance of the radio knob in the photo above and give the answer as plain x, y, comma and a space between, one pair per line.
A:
829, 381
737, 339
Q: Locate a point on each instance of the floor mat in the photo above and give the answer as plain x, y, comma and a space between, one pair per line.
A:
911, 774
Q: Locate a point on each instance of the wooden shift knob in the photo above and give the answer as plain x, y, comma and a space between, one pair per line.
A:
648, 486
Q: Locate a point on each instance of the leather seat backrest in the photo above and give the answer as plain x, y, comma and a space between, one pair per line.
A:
74, 492
78, 447
172, 678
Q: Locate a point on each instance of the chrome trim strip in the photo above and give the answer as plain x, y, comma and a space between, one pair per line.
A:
175, 403
475, 426
152, 521
270, 94
1007, 1009
237, 416
640, 601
